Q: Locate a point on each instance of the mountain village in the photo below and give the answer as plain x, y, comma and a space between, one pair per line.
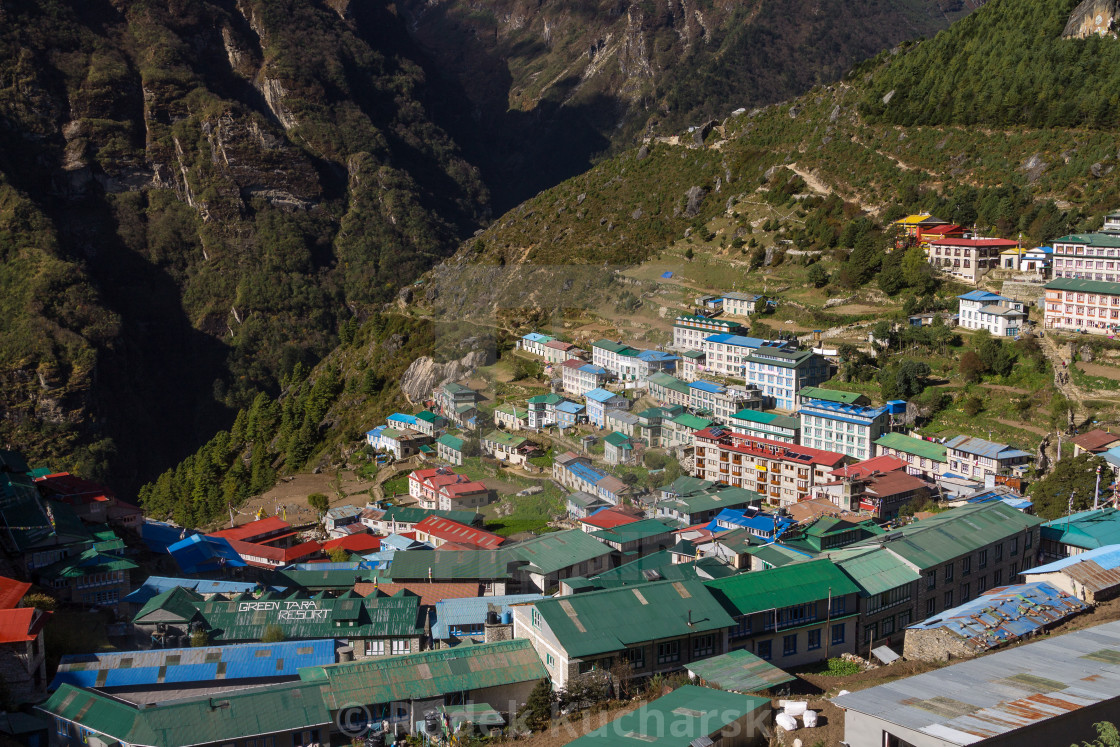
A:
738, 527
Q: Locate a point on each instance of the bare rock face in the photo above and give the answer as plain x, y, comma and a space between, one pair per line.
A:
1100, 17
425, 374
693, 197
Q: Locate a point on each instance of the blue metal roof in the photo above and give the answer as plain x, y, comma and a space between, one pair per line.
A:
568, 406
402, 418
453, 613
159, 536
537, 337
585, 472
980, 447
769, 524
600, 395
200, 553
656, 355
980, 295
201, 664
1107, 557
707, 386
593, 369
1005, 614
155, 585
747, 342
842, 409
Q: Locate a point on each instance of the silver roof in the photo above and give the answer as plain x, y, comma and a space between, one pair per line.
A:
1001, 692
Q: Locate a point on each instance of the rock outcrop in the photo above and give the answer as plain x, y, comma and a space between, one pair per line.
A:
1098, 17
424, 374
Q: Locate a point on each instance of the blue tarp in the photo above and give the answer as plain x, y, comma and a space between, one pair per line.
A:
199, 553
156, 585
666, 275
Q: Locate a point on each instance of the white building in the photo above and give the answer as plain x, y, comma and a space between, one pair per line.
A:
534, 343
846, 429
741, 304
578, 378
1003, 317
1088, 256
1089, 305
782, 374
726, 355
720, 402
690, 330
975, 458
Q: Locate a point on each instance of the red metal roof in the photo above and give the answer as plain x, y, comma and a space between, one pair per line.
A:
559, 345
72, 489
274, 554
1096, 440
884, 463
258, 528
768, 448
609, 518
11, 591
1005, 243
21, 624
574, 363
461, 534
358, 543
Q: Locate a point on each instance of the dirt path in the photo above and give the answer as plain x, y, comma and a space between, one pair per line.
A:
1064, 384
821, 187
1021, 426
289, 497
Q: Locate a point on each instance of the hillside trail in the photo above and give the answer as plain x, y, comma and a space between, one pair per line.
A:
1074, 393
820, 187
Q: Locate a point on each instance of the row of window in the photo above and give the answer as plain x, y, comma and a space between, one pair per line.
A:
887, 626
396, 646
791, 642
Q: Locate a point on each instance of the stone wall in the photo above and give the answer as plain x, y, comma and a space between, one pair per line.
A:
937, 644
1029, 293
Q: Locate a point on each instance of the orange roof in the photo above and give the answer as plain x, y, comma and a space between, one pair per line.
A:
354, 543
884, 463
257, 528
429, 593
461, 534
21, 624
11, 591
72, 489
609, 518
894, 483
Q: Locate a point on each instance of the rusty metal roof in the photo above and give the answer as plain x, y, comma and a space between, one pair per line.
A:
1097, 570
1003, 692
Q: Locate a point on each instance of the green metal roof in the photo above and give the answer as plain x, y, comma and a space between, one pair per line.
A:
658, 566
506, 439
831, 395
1106, 240
875, 570
942, 537
676, 720
375, 616
451, 442
687, 485
691, 422
600, 622
176, 602
453, 388
693, 354
88, 562
554, 551
512, 409
546, 399
632, 532
696, 318
430, 674
668, 381
453, 565
769, 418
714, 499
615, 347
334, 578
414, 514
916, 446
1085, 286
739, 671
781, 358
796, 583
221, 718
428, 416
618, 440
1087, 529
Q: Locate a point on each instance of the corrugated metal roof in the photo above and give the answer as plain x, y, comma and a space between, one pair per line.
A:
554, 551
874, 570
1087, 529
603, 621
192, 721
740, 671
916, 446
1107, 557
633, 531
1005, 614
455, 613
412, 565
180, 665
980, 447
797, 583
155, 585
1004, 691
427, 675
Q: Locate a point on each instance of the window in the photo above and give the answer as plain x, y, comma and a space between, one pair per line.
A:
549, 660
61, 727
536, 618
997, 578
931, 606
375, 648
983, 559
1014, 570
839, 606
636, 657
668, 652
763, 651
401, 646
931, 579
904, 619
890, 740
948, 599
704, 645
789, 645
838, 633
814, 639
887, 626
999, 552
981, 584
966, 566
1028, 541
1014, 545
948, 573
965, 592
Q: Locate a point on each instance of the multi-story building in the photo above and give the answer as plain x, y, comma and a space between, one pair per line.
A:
575, 472
450, 449
975, 458
690, 330
677, 432
654, 361
1003, 317
660, 627
1082, 305
927, 459
578, 377
22, 652
793, 615
1088, 256
1080, 532
847, 429
782, 374
444, 490
783, 472
767, 425
569, 414
741, 304
542, 410
506, 447
620, 360
534, 342
691, 364
668, 389
720, 402
558, 351
453, 400
967, 259
726, 355
598, 401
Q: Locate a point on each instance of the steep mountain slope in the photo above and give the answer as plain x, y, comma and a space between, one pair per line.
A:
193, 197
550, 85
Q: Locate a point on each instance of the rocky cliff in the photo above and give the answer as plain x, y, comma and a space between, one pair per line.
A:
1091, 17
